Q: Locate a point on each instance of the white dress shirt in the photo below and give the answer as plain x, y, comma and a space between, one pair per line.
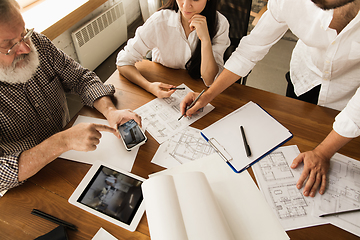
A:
321, 56
164, 35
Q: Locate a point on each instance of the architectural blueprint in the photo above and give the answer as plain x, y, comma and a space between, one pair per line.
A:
342, 193
185, 146
160, 116
277, 181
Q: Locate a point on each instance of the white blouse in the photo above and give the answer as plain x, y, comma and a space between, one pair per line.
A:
164, 35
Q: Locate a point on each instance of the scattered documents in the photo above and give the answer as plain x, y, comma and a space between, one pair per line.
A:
160, 116
110, 149
205, 199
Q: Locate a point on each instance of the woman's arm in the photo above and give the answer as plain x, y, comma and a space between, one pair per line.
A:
160, 90
208, 68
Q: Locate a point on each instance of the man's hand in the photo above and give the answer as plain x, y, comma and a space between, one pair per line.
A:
161, 90
315, 170
188, 99
118, 117
85, 136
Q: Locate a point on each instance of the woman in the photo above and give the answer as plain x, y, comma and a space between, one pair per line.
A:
183, 34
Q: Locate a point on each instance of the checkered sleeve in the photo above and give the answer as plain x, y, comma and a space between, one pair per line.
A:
9, 170
74, 77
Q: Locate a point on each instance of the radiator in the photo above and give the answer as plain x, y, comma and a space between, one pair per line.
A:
99, 38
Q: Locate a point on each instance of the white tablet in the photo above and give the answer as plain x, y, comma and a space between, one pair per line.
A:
112, 194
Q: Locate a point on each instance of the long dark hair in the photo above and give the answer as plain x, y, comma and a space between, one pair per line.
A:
194, 63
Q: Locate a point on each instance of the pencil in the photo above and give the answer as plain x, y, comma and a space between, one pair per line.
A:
192, 104
53, 219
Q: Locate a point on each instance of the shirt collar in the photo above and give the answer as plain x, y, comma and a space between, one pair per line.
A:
175, 19
327, 17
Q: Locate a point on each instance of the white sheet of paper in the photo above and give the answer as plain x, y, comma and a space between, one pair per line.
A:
110, 149
277, 181
263, 134
185, 146
160, 116
241, 202
103, 234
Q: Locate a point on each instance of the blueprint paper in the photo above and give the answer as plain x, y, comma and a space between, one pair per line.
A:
110, 149
277, 181
185, 146
342, 193
160, 116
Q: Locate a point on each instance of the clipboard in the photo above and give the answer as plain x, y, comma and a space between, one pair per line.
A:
263, 132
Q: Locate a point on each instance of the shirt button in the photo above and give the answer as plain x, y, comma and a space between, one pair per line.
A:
36, 105
47, 119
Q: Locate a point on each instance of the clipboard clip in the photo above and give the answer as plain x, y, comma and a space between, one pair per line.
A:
218, 148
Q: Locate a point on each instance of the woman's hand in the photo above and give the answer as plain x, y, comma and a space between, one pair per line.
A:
161, 90
199, 23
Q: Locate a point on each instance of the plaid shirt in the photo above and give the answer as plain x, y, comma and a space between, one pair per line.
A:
33, 111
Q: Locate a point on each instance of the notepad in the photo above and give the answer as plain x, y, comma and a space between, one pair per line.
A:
206, 200
263, 132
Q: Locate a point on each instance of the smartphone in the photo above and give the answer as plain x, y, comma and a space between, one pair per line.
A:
131, 134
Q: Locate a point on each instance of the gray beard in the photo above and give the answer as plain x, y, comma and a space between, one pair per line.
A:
13, 74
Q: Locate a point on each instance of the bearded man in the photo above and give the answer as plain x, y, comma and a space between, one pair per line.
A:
34, 76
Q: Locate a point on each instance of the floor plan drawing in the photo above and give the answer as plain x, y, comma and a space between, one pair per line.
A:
288, 201
275, 167
187, 145
342, 193
277, 181
160, 117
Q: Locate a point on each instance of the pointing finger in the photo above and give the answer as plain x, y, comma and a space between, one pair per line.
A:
101, 127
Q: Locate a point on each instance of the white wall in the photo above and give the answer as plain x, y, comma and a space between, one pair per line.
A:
64, 41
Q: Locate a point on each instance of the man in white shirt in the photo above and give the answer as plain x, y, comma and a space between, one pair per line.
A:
327, 56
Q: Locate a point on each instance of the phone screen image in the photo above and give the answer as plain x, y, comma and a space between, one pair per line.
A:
131, 134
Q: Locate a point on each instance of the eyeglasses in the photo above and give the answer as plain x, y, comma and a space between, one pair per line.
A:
15, 47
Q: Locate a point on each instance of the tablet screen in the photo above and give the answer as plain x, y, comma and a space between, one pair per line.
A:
113, 193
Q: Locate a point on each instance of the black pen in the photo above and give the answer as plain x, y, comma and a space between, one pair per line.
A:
246, 145
177, 88
192, 104
53, 219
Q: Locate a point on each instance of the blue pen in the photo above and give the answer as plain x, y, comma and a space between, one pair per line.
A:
218, 148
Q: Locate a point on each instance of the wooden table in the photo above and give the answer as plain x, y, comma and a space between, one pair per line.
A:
50, 188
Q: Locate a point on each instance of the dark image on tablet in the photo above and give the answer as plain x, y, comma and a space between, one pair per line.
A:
114, 194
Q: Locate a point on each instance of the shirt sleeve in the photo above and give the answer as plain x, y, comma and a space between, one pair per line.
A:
347, 122
221, 42
9, 170
255, 46
74, 77
143, 41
